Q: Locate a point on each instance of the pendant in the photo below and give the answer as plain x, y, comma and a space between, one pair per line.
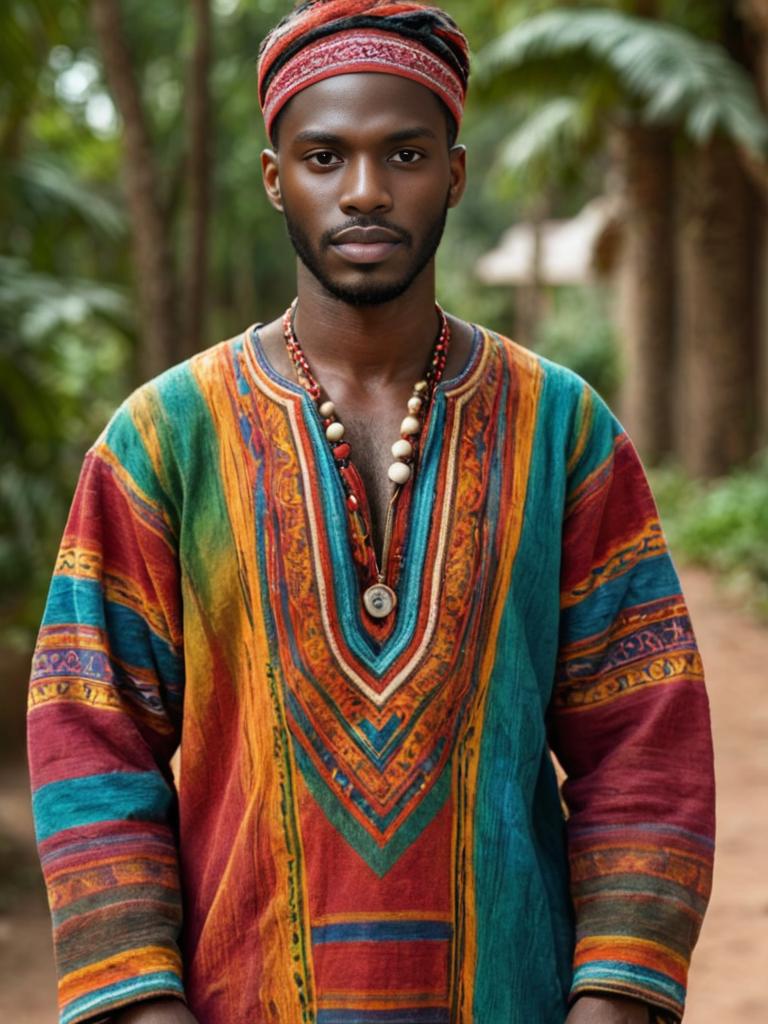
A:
380, 601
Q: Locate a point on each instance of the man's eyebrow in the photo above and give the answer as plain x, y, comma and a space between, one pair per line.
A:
321, 138
421, 132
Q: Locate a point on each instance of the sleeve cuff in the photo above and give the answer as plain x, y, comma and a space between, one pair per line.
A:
662, 994
96, 1005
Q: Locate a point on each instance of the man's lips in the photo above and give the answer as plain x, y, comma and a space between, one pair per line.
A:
366, 245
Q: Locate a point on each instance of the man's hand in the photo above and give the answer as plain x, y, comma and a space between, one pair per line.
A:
155, 1011
608, 1010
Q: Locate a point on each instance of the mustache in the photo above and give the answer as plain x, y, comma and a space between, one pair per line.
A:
404, 235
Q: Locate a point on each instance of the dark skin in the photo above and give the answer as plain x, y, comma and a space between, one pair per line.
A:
359, 164
338, 175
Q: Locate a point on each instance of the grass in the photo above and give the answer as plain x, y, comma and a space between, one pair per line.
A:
722, 526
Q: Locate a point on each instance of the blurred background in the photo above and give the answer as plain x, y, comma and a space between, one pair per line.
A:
615, 222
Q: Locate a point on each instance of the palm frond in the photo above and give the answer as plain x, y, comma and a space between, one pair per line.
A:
47, 187
669, 75
39, 302
553, 126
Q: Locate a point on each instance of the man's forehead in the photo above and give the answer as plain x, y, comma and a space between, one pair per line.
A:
365, 102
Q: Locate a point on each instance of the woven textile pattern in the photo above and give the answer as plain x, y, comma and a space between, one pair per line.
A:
332, 37
367, 828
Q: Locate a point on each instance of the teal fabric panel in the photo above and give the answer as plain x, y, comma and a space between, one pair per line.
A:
132, 641
524, 917
117, 796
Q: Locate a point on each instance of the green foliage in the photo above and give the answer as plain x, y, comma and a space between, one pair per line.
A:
661, 71
578, 332
549, 129
67, 322
67, 327
61, 357
722, 526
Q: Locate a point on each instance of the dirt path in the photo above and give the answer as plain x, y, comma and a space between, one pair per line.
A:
729, 982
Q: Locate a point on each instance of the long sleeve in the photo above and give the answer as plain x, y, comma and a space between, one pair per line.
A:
103, 723
629, 722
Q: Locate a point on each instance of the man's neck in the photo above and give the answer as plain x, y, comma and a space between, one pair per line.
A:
382, 344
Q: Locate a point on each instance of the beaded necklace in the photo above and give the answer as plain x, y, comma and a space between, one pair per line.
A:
379, 599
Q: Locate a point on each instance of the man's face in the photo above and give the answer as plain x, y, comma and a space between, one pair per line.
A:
365, 178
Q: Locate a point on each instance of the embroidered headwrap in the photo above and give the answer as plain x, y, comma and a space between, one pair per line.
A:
324, 38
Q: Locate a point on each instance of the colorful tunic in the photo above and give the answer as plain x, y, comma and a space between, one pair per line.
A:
367, 827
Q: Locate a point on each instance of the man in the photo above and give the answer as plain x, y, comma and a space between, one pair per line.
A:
366, 649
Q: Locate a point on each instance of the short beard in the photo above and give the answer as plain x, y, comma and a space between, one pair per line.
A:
366, 293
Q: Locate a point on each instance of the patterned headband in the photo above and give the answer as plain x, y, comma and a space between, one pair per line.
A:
340, 37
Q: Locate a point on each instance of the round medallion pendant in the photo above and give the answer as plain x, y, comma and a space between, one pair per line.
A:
380, 601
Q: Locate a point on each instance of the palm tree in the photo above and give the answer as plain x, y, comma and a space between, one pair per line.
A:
646, 86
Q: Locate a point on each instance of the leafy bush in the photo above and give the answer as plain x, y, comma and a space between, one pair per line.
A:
63, 369
723, 525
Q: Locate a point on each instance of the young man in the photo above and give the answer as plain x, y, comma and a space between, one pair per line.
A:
366, 649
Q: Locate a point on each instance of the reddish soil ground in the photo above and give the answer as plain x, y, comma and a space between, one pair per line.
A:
729, 981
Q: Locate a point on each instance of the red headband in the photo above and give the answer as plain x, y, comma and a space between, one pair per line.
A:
363, 49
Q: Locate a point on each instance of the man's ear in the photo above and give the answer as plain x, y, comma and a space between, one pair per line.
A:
271, 177
458, 158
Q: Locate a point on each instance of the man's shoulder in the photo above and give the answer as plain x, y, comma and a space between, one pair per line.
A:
560, 381
202, 370
176, 401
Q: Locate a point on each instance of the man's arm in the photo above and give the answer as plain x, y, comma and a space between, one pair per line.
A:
607, 1010
629, 723
155, 1011
104, 720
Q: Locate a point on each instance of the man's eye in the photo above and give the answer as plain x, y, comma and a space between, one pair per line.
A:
325, 158
407, 156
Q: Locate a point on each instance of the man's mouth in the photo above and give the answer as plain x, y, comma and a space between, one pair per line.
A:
365, 245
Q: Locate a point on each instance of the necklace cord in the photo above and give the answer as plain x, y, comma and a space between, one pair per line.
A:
405, 451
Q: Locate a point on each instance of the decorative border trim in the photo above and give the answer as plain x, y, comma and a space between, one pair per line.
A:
361, 50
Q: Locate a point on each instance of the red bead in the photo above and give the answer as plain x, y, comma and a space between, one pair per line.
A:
352, 503
342, 451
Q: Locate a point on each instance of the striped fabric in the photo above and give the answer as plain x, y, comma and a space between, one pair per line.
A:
369, 828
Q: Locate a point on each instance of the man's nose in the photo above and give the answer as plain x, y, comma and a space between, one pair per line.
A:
365, 187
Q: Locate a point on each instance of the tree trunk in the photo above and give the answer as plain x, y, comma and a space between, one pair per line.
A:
755, 14
529, 308
196, 283
718, 309
155, 277
647, 286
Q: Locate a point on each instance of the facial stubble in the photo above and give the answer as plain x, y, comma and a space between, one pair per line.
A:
370, 292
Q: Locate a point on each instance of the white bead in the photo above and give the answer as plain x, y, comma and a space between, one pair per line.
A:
414, 405
402, 449
335, 432
399, 473
327, 409
410, 425
421, 387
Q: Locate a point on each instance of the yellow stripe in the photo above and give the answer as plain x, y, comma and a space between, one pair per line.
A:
586, 411
115, 968
617, 943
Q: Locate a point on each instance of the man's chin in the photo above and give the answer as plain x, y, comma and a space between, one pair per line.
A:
362, 296
365, 293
